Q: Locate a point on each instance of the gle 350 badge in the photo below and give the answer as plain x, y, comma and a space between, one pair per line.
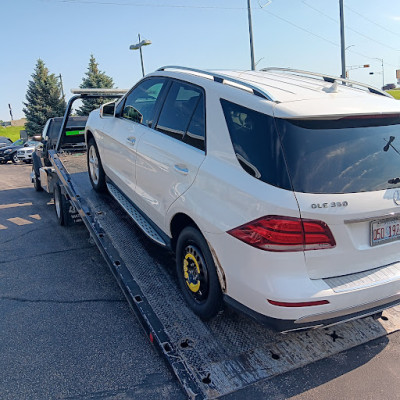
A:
333, 204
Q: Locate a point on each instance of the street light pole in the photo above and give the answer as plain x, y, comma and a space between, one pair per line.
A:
138, 46
141, 55
253, 65
342, 42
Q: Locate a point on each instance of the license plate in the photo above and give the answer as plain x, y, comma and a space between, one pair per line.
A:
385, 231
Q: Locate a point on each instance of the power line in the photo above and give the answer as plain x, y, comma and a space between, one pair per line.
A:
321, 37
299, 27
371, 21
115, 3
349, 28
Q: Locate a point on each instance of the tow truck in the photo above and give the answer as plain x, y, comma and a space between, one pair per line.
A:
209, 359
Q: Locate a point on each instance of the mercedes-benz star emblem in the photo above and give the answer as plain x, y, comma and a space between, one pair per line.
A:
396, 197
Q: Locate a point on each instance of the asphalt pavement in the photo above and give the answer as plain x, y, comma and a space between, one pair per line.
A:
66, 331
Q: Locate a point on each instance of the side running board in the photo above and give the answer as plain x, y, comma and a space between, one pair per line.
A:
135, 214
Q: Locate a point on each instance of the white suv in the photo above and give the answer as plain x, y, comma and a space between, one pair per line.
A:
279, 190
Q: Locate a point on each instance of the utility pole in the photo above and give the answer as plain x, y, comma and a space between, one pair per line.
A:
383, 72
253, 65
61, 86
11, 114
342, 43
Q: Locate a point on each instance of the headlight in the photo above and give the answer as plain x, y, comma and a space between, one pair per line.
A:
8, 151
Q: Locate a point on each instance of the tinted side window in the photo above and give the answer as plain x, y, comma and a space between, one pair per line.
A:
182, 115
196, 132
256, 144
140, 103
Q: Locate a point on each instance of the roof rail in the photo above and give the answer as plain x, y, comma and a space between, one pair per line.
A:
328, 78
224, 79
99, 91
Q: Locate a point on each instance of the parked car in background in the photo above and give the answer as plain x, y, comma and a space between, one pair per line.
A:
5, 141
25, 153
9, 153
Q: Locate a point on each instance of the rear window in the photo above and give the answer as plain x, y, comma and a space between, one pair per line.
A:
342, 156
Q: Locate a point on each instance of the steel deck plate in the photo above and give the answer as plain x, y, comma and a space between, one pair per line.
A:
231, 351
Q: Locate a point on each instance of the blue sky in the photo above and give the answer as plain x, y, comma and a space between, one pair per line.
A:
209, 34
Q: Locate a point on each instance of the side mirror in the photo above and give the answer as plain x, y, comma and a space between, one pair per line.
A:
107, 110
37, 138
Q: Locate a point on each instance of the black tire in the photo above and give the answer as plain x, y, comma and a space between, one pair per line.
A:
61, 207
197, 275
36, 181
95, 168
14, 158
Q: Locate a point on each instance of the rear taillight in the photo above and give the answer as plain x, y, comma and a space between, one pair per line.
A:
277, 233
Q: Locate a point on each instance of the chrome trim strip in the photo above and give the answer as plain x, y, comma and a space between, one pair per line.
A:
364, 279
368, 219
351, 310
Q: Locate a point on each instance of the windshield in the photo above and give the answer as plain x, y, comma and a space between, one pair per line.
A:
19, 142
342, 156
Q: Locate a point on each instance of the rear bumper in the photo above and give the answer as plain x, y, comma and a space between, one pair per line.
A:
318, 320
25, 157
262, 282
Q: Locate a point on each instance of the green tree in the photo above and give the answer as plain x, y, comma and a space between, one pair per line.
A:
94, 79
44, 99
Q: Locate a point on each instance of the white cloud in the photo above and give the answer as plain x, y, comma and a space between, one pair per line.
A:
396, 17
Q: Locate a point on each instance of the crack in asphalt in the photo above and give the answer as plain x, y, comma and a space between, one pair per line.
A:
13, 239
24, 300
49, 253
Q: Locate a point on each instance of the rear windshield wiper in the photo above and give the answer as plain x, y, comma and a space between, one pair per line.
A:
394, 181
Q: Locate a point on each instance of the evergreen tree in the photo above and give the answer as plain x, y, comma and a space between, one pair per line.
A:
94, 79
44, 99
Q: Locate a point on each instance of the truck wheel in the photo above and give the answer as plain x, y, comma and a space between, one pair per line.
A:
95, 168
36, 181
61, 206
197, 275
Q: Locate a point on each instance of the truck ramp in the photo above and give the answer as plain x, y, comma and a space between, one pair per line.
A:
210, 359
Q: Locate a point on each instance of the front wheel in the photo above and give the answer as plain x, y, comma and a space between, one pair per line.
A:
14, 158
95, 167
197, 275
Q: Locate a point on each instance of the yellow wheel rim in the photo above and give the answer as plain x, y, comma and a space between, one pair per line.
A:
192, 279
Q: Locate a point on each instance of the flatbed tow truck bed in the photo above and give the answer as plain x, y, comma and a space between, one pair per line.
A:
210, 359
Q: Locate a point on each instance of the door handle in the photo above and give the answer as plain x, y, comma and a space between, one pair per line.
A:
131, 140
181, 169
